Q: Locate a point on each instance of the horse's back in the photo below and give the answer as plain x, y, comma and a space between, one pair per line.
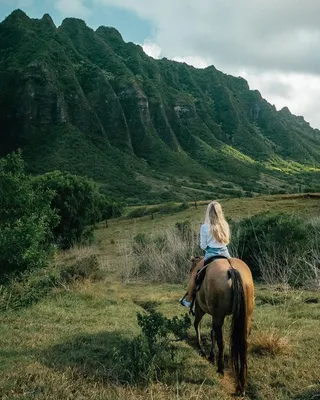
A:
216, 292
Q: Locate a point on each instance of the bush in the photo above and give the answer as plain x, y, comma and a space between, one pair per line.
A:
151, 355
33, 286
172, 208
86, 268
138, 212
277, 246
168, 208
109, 209
25, 219
29, 289
77, 203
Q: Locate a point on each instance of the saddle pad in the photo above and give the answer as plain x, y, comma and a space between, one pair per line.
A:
214, 258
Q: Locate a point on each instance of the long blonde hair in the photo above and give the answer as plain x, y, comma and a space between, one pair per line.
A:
219, 227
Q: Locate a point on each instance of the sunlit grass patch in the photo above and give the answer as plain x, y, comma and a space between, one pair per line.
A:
270, 343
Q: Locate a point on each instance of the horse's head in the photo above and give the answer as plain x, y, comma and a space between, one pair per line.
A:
194, 261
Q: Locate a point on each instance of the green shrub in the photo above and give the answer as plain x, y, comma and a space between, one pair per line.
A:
172, 208
163, 209
85, 268
25, 219
77, 203
33, 286
109, 209
138, 212
30, 288
227, 185
276, 244
151, 355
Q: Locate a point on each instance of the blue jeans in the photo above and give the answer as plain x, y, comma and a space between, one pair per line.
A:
219, 251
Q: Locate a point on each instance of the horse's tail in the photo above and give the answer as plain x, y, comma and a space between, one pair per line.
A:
238, 339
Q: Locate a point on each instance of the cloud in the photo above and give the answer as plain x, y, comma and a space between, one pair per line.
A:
197, 62
155, 51
152, 49
18, 3
265, 34
73, 8
299, 92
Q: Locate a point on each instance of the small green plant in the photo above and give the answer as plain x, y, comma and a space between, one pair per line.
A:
152, 354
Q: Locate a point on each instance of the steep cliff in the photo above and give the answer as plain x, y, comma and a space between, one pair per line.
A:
87, 102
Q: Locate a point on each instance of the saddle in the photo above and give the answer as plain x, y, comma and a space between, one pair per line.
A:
200, 278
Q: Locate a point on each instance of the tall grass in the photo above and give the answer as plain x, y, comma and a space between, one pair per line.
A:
159, 257
279, 249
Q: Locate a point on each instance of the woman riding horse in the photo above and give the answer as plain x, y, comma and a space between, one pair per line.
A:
214, 238
227, 289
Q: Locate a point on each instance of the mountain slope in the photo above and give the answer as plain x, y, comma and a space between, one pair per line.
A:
87, 102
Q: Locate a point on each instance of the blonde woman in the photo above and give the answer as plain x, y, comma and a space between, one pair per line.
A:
214, 238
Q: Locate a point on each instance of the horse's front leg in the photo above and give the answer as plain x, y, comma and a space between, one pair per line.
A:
198, 317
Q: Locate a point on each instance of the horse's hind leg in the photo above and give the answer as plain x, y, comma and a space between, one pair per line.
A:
219, 336
198, 317
212, 357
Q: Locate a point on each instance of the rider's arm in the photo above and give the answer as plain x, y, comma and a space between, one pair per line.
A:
203, 237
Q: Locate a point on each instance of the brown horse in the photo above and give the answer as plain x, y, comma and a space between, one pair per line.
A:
227, 289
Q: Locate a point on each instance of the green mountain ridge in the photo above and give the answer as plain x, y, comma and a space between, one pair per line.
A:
86, 102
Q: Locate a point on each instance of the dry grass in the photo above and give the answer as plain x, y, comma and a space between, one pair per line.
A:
158, 257
270, 343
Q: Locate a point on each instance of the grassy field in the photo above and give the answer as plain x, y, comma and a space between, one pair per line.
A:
107, 239
63, 346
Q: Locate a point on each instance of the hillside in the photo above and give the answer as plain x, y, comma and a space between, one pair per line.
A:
87, 102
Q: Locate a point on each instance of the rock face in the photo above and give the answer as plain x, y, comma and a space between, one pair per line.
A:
88, 102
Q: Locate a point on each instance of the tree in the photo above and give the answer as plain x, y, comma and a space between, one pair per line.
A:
78, 204
26, 218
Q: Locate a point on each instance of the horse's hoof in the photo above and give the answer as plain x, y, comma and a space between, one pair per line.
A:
239, 393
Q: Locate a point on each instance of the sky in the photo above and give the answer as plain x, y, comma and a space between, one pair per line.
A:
274, 44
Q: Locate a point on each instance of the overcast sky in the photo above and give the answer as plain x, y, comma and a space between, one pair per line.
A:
274, 44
